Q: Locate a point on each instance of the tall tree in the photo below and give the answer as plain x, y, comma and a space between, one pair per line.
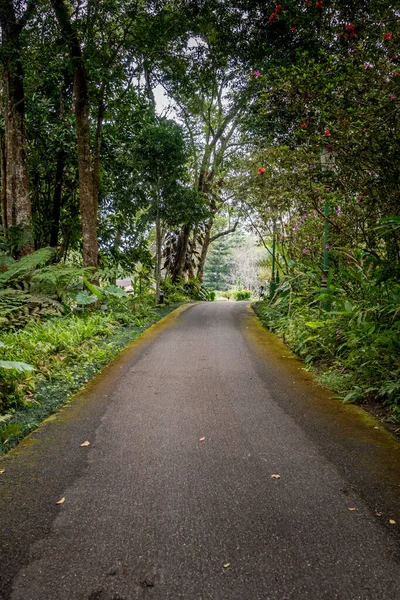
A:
16, 203
88, 201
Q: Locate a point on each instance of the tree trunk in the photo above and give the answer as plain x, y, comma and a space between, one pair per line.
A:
55, 222
3, 185
204, 250
180, 260
158, 254
88, 204
17, 203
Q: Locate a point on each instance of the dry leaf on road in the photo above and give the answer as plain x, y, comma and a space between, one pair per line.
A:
2, 471
61, 501
85, 443
392, 522
202, 439
226, 565
275, 476
352, 508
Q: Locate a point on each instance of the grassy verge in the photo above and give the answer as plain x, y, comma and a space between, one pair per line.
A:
356, 357
66, 353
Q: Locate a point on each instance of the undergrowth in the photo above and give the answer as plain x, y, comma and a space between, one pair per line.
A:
353, 346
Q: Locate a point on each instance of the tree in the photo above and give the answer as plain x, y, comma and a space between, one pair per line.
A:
16, 204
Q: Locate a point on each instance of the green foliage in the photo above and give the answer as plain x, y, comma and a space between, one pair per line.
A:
242, 295
185, 291
355, 345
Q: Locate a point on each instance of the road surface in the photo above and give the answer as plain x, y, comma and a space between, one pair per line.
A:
217, 469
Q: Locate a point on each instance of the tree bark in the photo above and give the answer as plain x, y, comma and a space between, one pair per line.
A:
88, 204
204, 250
18, 211
179, 265
3, 185
55, 222
158, 254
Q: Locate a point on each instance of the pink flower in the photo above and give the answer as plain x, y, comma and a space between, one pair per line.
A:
304, 216
338, 211
304, 250
256, 73
260, 170
392, 97
327, 246
320, 198
387, 36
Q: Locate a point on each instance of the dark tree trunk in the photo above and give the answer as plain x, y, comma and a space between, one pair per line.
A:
158, 255
3, 185
204, 250
17, 201
88, 204
179, 265
55, 222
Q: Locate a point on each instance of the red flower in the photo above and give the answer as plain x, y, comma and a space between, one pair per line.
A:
307, 2
293, 29
353, 35
206, 174
350, 27
260, 170
278, 8
272, 17
387, 36
319, 4
303, 125
327, 133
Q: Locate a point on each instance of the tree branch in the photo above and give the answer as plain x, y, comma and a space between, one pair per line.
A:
226, 232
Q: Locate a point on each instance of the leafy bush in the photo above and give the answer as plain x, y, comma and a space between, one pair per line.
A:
355, 345
242, 295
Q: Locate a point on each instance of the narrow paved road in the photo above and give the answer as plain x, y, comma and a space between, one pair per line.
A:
151, 511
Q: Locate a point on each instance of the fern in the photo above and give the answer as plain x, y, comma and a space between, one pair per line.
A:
23, 267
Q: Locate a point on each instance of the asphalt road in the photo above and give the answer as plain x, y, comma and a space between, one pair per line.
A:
154, 511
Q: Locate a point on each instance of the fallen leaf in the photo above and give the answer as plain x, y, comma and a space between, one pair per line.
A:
392, 522
202, 439
85, 443
352, 508
378, 514
2, 471
275, 476
61, 501
226, 565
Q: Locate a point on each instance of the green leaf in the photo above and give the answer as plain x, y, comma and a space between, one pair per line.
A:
17, 366
85, 298
114, 290
94, 289
315, 324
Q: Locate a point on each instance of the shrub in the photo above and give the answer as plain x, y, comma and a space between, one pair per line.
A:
242, 295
